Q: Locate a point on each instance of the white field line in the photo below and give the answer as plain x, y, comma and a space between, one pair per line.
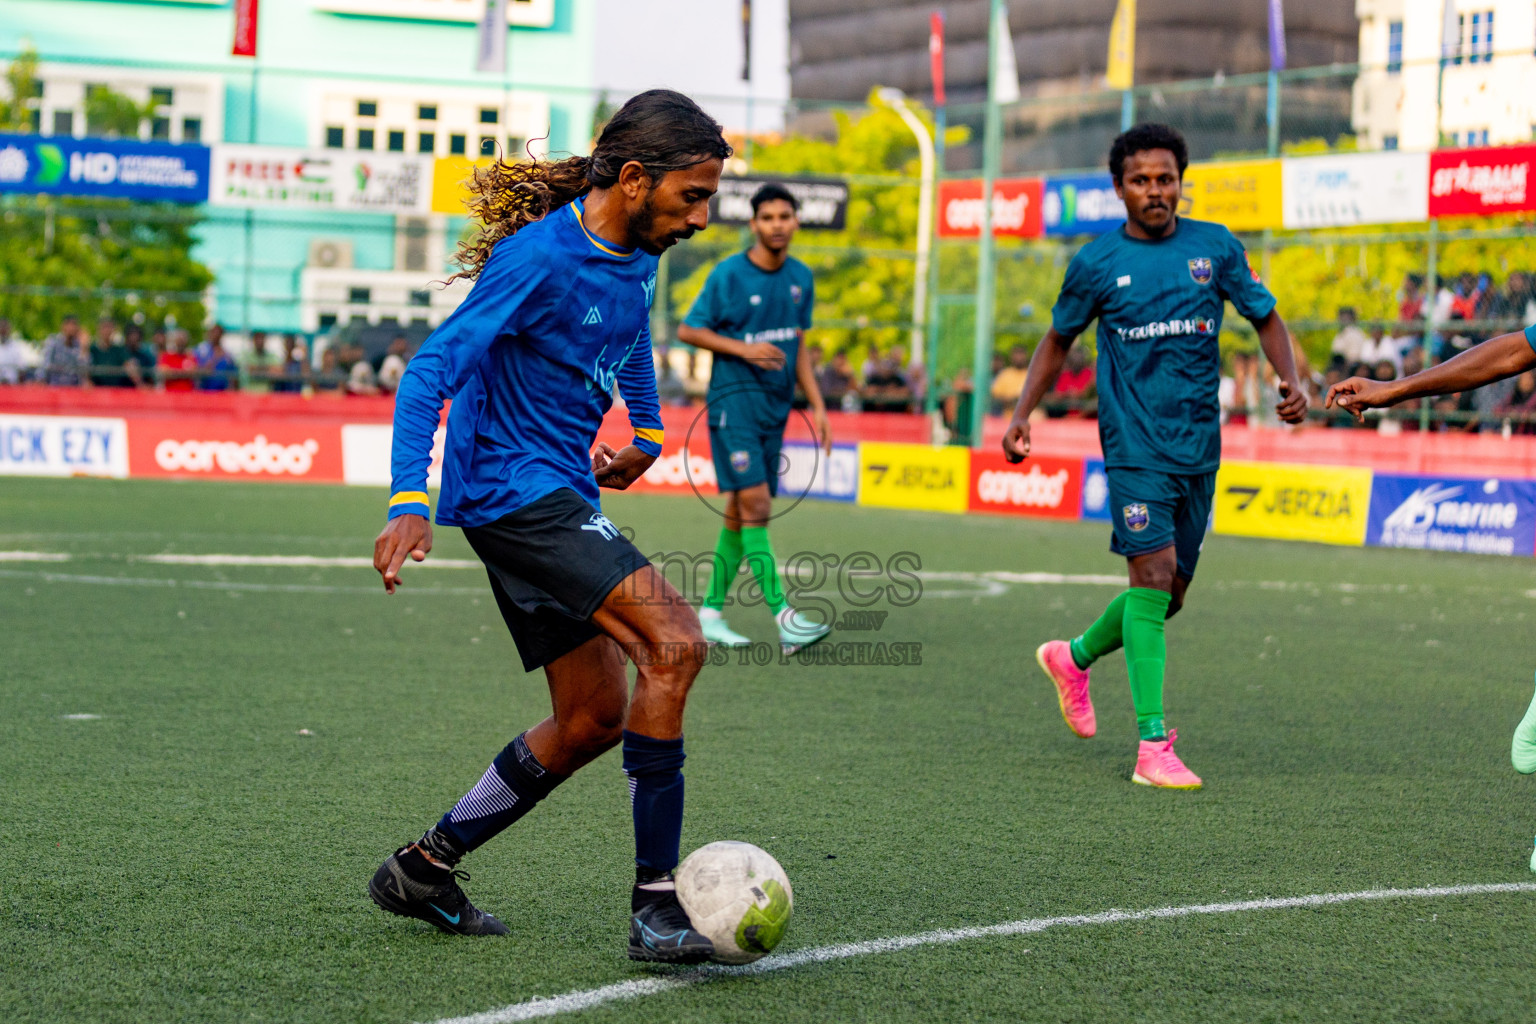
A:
255, 588
33, 556
298, 561
573, 1002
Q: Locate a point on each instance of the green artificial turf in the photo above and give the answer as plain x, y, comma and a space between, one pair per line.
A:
190, 856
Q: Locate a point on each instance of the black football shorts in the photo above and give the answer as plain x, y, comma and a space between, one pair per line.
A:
551, 564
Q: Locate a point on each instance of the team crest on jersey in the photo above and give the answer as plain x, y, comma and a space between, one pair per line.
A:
794, 294
740, 461
1136, 517
650, 288
1200, 270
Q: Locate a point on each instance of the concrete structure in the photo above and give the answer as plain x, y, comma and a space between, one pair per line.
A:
377, 76
1488, 92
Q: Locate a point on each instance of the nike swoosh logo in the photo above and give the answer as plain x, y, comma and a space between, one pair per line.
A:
451, 920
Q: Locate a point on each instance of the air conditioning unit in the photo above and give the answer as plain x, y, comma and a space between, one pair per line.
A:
330, 252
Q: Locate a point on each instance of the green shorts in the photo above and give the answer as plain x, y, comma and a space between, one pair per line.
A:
1153, 510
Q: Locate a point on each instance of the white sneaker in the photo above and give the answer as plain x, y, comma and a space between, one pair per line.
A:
716, 631
796, 632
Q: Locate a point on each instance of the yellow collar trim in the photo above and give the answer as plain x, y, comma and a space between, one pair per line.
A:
577, 209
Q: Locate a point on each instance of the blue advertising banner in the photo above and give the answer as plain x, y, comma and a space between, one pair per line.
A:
1488, 517
807, 471
1083, 204
119, 168
1095, 491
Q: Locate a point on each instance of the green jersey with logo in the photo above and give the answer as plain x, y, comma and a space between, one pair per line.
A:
1159, 305
741, 300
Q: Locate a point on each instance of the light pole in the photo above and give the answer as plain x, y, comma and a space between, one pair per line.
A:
897, 101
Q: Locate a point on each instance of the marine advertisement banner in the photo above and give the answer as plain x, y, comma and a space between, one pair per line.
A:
1326, 504
1039, 487
1243, 196
1082, 204
1355, 188
1485, 517
120, 168
914, 476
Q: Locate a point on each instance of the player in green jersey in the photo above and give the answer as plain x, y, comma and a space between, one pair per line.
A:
1158, 288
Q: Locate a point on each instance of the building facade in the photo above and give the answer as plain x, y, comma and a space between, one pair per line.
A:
1446, 72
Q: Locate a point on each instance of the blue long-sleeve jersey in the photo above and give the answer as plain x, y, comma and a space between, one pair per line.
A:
530, 359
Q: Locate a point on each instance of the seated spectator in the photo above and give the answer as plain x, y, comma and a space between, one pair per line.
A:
955, 409
215, 336
259, 365
66, 358
887, 389
360, 376
1449, 413
1520, 406
219, 370
1382, 347
1008, 383
1411, 306
913, 372
872, 362
293, 371
1351, 340
16, 357
393, 366
330, 378
1074, 393
176, 367
114, 364
838, 388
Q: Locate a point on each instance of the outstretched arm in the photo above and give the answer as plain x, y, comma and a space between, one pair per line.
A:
1275, 340
1044, 368
759, 353
1495, 359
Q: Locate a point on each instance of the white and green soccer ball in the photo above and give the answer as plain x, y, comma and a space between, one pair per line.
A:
738, 896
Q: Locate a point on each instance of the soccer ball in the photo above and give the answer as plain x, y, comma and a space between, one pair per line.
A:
738, 896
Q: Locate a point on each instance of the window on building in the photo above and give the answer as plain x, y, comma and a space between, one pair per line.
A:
160, 128
1389, 142
327, 321
516, 146
1480, 41
335, 137
426, 142
1394, 46
162, 96
396, 142
35, 118
367, 108
487, 145
93, 89
359, 296
365, 138
421, 298
191, 129
426, 112
489, 115
63, 122
456, 144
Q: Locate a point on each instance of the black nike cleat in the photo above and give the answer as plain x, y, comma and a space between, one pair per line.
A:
443, 905
660, 932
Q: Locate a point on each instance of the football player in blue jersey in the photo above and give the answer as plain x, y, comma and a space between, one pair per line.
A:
565, 273
1158, 288
752, 314
1495, 359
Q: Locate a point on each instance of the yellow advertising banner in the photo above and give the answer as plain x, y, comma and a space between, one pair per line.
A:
914, 476
1326, 504
1243, 196
448, 176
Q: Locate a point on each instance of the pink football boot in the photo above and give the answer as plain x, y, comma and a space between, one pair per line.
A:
1055, 657
1157, 765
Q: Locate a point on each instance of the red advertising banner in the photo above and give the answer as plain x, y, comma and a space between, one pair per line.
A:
245, 28
1015, 208
1043, 488
230, 450
1474, 182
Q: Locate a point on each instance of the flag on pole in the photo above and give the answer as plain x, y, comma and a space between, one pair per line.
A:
245, 28
936, 55
1277, 35
1450, 32
1006, 73
1122, 47
746, 40
491, 54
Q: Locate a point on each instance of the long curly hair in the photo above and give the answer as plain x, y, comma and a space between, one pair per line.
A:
660, 129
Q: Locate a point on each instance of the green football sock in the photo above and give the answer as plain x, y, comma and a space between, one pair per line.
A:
759, 555
1103, 637
727, 563
1146, 656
